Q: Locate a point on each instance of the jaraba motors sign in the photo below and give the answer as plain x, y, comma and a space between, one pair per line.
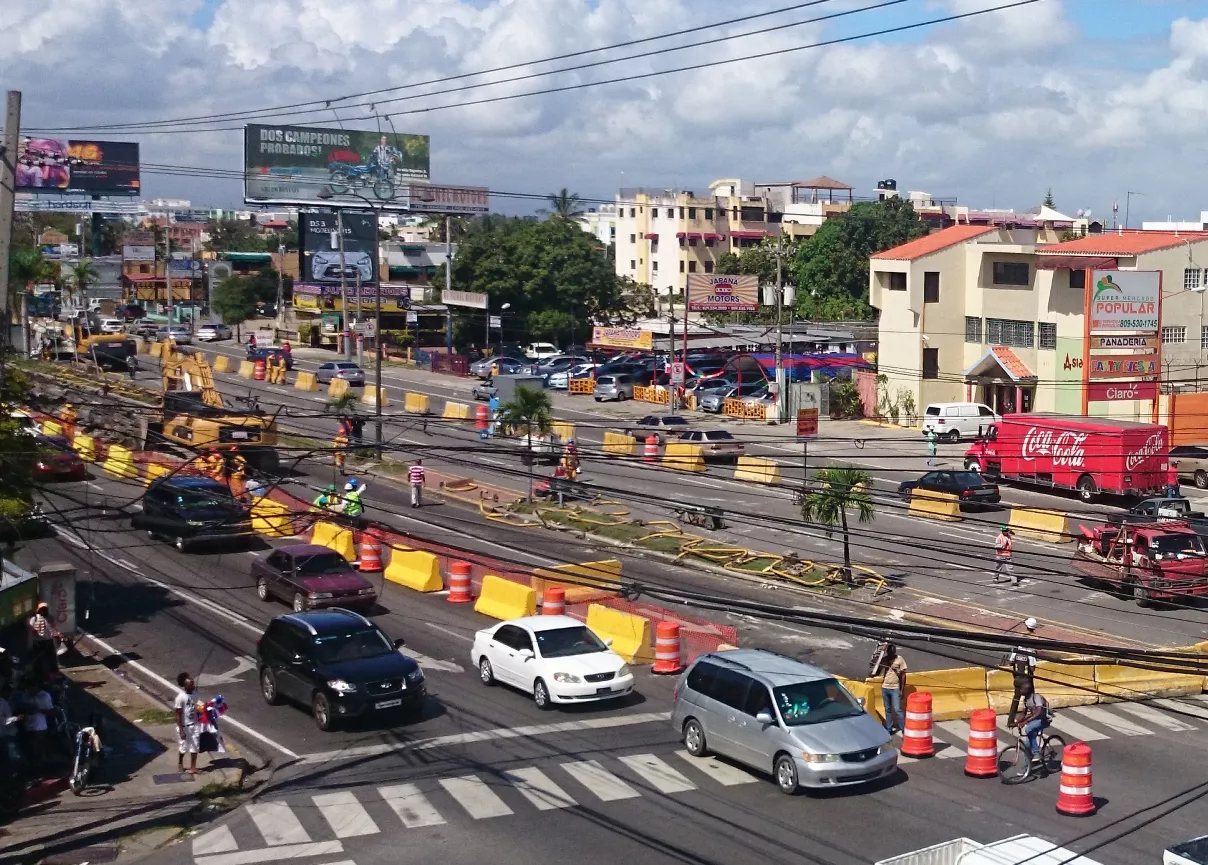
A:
713, 292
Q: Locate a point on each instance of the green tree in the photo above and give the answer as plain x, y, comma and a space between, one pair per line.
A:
533, 411
729, 264
82, 274
458, 226
1048, 198
564, 205
235, 235
235, 301
838, 491
26, 267
17, 456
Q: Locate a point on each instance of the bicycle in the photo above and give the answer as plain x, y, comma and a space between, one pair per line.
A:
1016, 763
88, 754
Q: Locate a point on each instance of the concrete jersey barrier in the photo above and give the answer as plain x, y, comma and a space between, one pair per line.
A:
247, 369
758, 470
222, 363
457, 411
372, 396
120, 462
306, 381
684, 457
934, 506
1041, 525
337, 388
335, 538
620, 445
85, 446
582, 583
630, 634
272, 519
504, 599
416, 403
415, 570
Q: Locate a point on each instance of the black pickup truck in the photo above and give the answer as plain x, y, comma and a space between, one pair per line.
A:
1162, 508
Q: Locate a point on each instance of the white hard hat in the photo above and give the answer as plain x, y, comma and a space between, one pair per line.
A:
1030, 623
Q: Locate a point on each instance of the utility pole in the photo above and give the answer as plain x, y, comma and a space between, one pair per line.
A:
359, 333
449, 286
168, 270
780, 377
281, 285
377, 347
8, 188
671, 350
343, 285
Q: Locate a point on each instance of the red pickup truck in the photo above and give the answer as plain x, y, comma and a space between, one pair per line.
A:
1151, 562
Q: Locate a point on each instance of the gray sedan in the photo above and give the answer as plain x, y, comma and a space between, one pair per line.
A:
344, 369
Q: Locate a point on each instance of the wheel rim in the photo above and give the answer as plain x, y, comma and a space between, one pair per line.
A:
692, 737
1013, 764
540, 694
299, 604
321, 710
484, 672
262, 589
1201, 480
785, 775
267, 686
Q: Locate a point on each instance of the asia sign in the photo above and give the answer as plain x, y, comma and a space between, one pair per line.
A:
294, 164
1104, 391
1122, 366
69, 165
712, 292
1125, 300
622, 337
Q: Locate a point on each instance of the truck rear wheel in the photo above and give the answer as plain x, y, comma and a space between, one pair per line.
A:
1086, 488
1140, 595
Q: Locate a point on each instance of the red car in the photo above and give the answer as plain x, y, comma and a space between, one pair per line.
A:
56, 461
311, 577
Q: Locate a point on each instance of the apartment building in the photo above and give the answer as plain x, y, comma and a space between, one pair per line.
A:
602, 222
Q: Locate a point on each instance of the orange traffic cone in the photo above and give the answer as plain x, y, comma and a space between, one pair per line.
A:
371, 554
553, 601
916, 737
983, 744
1074, 797
667, 648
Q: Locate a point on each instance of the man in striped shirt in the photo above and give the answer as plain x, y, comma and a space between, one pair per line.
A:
415, 476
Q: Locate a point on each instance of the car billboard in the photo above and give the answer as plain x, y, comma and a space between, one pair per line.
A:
713, 292
319, 240
305, 165
60, 165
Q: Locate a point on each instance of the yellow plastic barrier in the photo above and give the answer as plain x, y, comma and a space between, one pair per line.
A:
336, 538
156, 349
619, 444
596, 575
141, 346
52, 428
272, 519
630, 634
935, 506
690, 402
1061, 684
120, 462
757, 469
222, 363
1041, 525
739, 409
657, 395
1118, 682
954, 693
247, 369
457, 411
306, 381
415, 570
416, 403
155, 470
581, 385
85, 446
372, 395
504, 599
861, 691
337, 387
563, 430
684, 457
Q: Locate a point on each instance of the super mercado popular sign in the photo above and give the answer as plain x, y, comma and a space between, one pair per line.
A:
1125, 300
711, 292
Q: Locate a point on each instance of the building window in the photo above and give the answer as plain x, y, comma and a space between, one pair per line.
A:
708, 267
709, 241
897, 281
708, 213
973, 329
1077, 279
692, 267
671, 213
692, 213
633, 212
931, 363
654, 266
931, 286
692, 241
1204, 337
1011, 273
612, 231
1191, 278
752, 214
681, 213
1174, 334
681, 265
1046, 335
633, 265
633, 238
1015, 334
144, 268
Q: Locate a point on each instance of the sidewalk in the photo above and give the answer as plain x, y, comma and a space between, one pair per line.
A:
137, 800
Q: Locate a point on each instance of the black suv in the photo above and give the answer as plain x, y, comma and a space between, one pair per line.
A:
339, 664
189, 509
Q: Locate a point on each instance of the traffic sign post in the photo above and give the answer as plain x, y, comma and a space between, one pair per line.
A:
677, 373
807, 428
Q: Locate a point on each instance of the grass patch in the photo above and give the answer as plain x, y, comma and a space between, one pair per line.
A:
155, 716
216, 790
663, 545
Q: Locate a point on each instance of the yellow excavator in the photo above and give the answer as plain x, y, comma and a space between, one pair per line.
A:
195, 416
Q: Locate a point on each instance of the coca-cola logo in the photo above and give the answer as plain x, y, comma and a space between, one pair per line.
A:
1153, 446
1064, 448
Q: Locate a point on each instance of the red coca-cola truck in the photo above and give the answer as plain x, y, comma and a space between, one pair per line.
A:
1090, 455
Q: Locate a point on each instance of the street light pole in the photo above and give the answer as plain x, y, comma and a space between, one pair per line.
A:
343, 285
377, 347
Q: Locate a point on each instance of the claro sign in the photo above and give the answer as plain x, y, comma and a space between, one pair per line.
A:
1101, 391
1064, 448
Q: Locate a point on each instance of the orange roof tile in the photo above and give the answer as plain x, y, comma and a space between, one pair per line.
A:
935, 242
1011, 363
1122, 243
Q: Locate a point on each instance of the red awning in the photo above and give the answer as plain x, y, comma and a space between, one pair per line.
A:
681, 234
1074, 262
748, 234
709, 235
651, 236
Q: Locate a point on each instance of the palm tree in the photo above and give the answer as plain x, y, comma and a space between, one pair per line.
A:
26, 267
839, 489
564, 204
82, 274
531, 409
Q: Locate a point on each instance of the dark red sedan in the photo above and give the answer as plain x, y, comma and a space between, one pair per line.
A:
311, 577
56, 461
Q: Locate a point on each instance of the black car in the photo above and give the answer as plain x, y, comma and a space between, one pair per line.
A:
255, 354
969, 487
190, 509
339, 664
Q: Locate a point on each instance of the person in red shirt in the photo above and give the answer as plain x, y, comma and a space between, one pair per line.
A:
415, 477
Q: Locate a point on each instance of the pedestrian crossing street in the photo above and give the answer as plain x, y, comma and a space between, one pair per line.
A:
320, 825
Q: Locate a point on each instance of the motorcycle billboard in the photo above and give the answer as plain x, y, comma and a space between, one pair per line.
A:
306, 165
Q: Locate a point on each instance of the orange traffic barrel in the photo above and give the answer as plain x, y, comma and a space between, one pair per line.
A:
983, 744
667, 648
258, 375
371, 554
651, 452
553, 601
459, 583
481, 417
1074, 797
916, 737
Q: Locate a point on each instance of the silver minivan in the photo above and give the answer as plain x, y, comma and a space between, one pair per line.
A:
954, 420
782, 717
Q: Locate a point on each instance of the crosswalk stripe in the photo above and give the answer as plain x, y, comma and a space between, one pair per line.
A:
539, 789
1183, 708
1154, 716
218, 840
346, 816
272, 854
602, 783
1199, 698
958, 730
278, 823
1110, 720
1063, 723
722, 773
476, 797
944, 751
658, 774
411, 806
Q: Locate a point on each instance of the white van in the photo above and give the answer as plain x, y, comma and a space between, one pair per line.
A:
954, 420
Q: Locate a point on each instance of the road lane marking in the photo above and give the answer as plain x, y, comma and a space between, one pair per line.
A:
273, 854
346, 816
218, 840
1110, 720
450, 632
1063, 723
1183, 708
277, 823
605, 785
539, 789
722, 773
478, 800
1149, 713
411, 806
658, 774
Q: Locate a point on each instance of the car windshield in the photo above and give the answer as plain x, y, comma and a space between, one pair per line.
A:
203, 498
321, 563
673, 420
966, 480
718, 435
351, 646
815, 702
1187, 545
564, 642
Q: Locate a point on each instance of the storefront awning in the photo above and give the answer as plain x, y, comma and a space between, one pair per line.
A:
1074, 262
1000, 362
748, 234
651, 236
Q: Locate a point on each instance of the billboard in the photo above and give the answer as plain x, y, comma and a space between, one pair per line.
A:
622, 337
70, 165
426, 198
293, 164
138, 253
319, 242
309, 295
1125, 300
713, 292
471, 299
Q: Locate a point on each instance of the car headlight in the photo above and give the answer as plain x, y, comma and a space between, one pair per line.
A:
567, 678
416, 675
340, 686
820, 758
368, 591
623, 671
195, 522
886, 748
319, 595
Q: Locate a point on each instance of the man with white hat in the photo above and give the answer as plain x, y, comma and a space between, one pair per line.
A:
1022, 662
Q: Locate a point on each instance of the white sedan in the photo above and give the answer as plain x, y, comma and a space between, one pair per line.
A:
554, 658
213, 332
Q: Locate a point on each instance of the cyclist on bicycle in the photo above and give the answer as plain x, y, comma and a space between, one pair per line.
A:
1035, 718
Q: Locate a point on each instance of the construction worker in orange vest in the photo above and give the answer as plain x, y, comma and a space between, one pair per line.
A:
68, 417
340, 444
238, 468
214, 465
